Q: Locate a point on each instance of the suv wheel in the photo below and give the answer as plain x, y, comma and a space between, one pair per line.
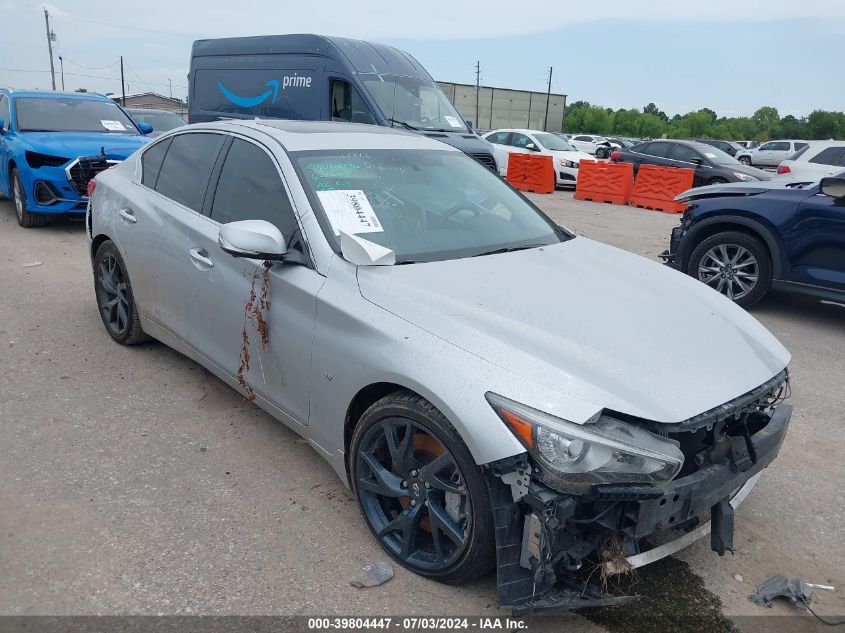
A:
745, 160
734, 264
25, 218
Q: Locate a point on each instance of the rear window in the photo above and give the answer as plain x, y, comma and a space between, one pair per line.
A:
829, 156
277, 94
151, 161
187, 166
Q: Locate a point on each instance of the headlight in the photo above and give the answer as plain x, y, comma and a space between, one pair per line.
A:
598, 452
568, 163
745, 177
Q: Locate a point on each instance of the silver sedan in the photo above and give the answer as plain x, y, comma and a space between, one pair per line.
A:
495, 390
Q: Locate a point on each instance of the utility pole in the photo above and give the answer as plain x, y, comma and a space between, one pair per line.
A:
62, 67
548, 97
122, 85
563, 119
50, 37
477, 91
170, 85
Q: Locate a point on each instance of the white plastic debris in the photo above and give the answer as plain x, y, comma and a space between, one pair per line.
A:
372, 575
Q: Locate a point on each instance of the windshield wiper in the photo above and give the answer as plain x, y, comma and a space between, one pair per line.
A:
403, 123
509, 249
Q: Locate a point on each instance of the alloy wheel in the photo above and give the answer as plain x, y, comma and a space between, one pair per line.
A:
112, 295
413, 494
18, 196
731, 269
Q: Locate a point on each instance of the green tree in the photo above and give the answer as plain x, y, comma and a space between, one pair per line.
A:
790, 127
651, 108
766, 119
651, 126
825, 125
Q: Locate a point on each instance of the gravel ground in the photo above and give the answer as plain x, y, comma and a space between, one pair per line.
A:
132, 481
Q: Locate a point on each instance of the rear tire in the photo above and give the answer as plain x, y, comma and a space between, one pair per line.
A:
413, 475
115, 300
735, 264
717, 181
745, 160
25, 218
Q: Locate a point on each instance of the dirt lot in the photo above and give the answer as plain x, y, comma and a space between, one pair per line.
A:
132, 481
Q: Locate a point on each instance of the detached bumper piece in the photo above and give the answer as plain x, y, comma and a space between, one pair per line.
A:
549, 543
83, 169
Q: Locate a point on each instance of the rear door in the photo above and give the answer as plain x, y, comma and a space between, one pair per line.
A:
772, 153
683, 156
817, 242
832, 159
250, 187
152, 226
500, 142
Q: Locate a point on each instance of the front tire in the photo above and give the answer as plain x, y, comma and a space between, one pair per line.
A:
115, 300
420, 491
25, 218
735, 264
745, 160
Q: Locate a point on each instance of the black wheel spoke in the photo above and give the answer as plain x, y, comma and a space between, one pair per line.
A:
431, 474
384, 482
400, 450
442, 522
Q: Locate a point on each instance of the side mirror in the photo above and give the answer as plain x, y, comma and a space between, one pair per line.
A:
532, 147
833, 187
698, 161
145, 128
255, 239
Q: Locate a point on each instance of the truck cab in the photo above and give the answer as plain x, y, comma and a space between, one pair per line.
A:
319, 78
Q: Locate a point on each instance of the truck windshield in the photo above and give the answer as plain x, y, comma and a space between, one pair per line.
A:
425, 205
71, 115
414, 103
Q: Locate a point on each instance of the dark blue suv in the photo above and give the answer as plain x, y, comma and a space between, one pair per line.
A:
742, 239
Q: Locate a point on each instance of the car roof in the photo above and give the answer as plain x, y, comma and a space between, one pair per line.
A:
51, 94
319, 135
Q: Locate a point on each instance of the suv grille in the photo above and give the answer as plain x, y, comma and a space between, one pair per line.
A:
83, 169
486, 160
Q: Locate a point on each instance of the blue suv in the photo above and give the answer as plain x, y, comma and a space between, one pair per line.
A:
742, 239
53, 143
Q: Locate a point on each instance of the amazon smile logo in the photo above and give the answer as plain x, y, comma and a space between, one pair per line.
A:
272, 92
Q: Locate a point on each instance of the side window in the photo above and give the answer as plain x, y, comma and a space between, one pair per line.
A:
829, 156
4, 111
500, 138
681, 152
519, 140
347, 104
151, 161
187, 166
584, 138
767, 146
800, 146
250, 188
658, 150
779, 146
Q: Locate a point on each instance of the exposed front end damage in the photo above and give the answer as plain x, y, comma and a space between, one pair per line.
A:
550, 541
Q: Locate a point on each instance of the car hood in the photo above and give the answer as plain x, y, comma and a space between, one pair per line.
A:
75, 144
601, 326
738, 189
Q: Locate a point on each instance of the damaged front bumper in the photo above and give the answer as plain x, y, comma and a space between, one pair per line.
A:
545, 537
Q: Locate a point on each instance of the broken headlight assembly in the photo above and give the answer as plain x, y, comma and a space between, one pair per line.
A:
601, 451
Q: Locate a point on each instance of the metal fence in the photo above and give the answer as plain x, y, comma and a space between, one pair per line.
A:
502, 107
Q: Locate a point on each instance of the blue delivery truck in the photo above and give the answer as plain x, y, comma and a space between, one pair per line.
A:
319, 78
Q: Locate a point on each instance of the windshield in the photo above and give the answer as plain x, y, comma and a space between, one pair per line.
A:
424, 205
71, 115
716, 155
161, 121
413, 103
554, 143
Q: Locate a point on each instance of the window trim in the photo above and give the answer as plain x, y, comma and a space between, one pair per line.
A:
214, 180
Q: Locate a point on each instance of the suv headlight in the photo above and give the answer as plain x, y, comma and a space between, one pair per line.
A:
601, 451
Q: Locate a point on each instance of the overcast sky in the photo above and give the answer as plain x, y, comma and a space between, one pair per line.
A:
729, 55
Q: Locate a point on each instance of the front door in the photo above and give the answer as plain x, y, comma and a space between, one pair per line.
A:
817, 242
250, 187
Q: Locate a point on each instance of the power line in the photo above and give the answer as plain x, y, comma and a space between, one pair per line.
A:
148, 84
114, 63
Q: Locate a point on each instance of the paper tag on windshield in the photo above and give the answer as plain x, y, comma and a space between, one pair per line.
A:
113, 126
350, 211
452, 121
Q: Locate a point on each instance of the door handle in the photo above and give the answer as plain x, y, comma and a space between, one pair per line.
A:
127, 215
200, 258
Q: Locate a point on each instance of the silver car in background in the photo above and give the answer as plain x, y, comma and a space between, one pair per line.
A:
495, 390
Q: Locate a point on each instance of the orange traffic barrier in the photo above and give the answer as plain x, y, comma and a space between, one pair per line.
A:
656, 188
528, 172
604, 182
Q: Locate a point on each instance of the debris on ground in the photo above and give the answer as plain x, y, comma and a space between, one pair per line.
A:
31, 265
738, 577
799, 592
372, 575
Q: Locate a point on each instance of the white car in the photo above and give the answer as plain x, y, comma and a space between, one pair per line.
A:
814, 162
591, 143
516, 141
770, 154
